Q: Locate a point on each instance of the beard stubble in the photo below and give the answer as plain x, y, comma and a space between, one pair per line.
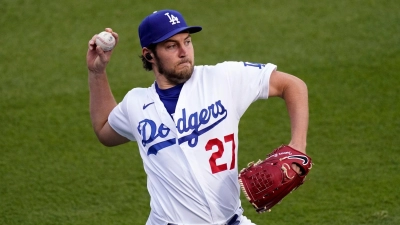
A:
173, 75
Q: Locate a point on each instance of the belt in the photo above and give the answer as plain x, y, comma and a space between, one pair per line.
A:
232, 220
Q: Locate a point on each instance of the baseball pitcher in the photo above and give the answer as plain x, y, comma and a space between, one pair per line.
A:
186, 122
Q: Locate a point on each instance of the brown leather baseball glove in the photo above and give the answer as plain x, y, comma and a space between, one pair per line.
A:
265, 183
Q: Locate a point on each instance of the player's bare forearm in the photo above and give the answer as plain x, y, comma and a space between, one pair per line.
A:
294, 91
102, 100
296, 98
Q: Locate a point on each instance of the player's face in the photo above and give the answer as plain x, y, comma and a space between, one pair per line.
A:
175, 58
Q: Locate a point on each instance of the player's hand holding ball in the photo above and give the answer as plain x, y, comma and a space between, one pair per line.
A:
105, 40
100, 48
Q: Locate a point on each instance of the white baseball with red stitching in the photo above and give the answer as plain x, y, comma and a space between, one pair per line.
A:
105, 40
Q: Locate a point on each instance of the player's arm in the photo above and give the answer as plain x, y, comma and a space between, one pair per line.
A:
294, 91
102, 100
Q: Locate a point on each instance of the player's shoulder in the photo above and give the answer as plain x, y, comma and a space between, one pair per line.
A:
235, 66
225, 64
219, 68
138, 93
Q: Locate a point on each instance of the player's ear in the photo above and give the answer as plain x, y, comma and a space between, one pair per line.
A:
147, 54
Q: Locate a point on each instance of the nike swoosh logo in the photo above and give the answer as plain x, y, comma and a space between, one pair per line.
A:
145, 106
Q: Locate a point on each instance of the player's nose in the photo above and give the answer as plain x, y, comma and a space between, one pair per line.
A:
183, 51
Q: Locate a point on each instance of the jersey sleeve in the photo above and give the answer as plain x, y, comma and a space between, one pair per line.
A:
248, 82
119, 119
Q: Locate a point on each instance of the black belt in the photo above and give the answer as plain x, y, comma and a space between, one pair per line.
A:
231, 221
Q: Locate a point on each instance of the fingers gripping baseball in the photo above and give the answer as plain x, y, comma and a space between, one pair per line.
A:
96, 58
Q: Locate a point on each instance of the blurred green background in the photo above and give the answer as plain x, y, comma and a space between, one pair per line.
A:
54, 171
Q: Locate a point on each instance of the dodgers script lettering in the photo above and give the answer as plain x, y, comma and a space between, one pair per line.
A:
192, 125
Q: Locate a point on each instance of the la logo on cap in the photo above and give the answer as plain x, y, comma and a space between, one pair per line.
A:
172, 19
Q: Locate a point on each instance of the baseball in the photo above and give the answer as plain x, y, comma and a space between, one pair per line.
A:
105, 40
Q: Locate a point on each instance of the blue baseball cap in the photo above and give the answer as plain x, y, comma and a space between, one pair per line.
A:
161, 25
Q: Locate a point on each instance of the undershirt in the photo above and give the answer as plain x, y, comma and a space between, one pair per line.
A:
169, 97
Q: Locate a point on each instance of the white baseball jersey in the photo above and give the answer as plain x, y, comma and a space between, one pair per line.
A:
191, 158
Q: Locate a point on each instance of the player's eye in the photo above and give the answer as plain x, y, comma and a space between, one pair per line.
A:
171, 46
188, 41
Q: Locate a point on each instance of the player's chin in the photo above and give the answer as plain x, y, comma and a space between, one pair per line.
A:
178, 79
179, 76
184, 70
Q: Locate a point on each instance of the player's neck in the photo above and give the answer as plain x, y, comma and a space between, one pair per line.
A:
164, 83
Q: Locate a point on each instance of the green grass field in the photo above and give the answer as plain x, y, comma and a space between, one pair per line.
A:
54, 171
